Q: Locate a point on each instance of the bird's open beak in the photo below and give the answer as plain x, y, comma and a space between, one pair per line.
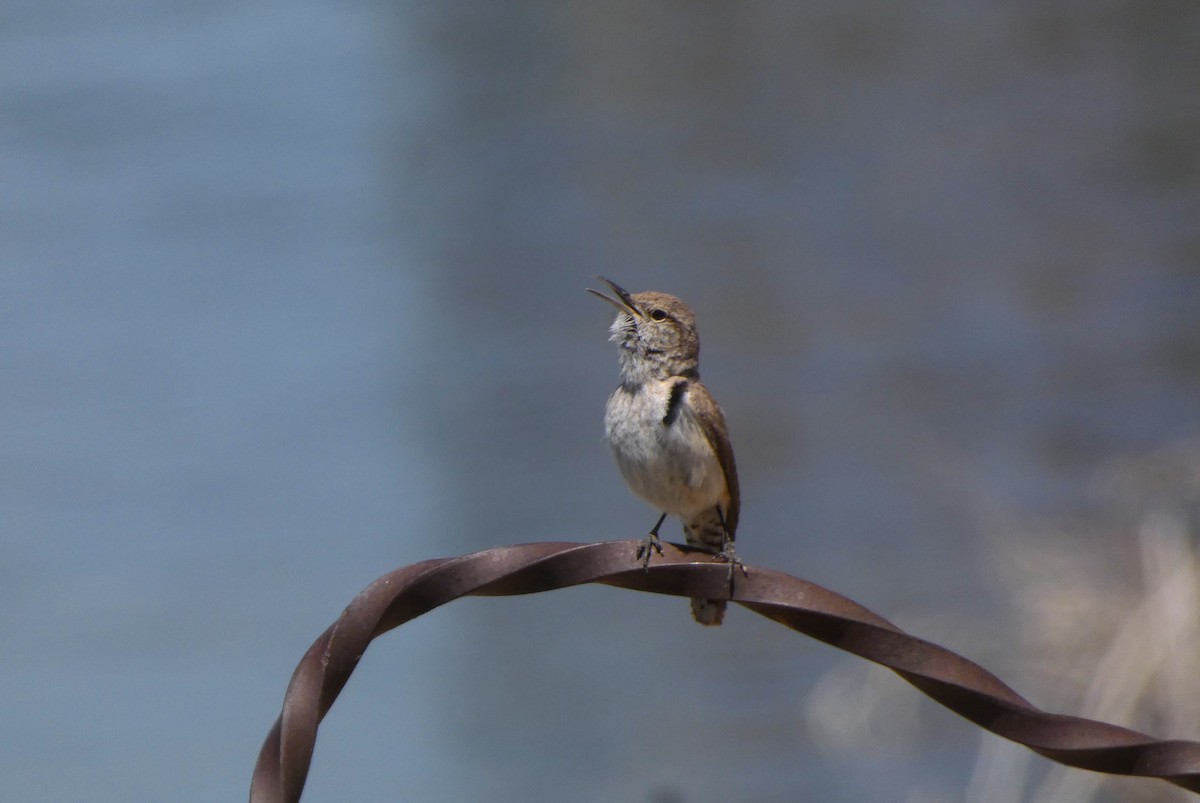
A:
625, 304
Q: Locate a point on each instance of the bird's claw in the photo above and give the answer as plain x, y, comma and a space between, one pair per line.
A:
729, 556
647, 547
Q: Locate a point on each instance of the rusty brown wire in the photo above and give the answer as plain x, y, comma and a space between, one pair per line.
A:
958, 684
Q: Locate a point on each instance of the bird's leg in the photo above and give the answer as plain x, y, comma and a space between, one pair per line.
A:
650, 544
728, 554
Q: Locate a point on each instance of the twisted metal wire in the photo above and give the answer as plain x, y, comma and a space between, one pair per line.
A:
956, 683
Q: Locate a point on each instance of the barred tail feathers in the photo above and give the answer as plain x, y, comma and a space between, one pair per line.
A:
708, 534
708, 612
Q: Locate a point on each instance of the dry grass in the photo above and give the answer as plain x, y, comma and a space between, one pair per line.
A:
1099, 632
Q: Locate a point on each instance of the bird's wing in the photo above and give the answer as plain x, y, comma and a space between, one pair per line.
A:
712, 421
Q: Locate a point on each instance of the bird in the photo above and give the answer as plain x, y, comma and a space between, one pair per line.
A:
668, 434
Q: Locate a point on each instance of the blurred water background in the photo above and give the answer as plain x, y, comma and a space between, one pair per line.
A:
291, 294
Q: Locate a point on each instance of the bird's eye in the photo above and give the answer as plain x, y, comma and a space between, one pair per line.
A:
658, 315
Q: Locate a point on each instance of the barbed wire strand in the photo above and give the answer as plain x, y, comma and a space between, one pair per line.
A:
951, 680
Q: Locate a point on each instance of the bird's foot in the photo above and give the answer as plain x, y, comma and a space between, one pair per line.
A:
729, 555
646, 547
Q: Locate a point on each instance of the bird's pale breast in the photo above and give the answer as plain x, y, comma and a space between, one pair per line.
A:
670, 465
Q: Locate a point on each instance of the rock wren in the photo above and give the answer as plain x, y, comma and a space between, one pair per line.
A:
667, 433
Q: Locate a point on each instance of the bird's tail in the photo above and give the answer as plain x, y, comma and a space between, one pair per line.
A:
708, 533
708, 611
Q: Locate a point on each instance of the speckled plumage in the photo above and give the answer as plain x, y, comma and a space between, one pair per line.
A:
667, 433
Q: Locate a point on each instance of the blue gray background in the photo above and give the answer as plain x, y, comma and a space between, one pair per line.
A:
291, 294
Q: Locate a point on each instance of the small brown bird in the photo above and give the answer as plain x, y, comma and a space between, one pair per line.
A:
667, 433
